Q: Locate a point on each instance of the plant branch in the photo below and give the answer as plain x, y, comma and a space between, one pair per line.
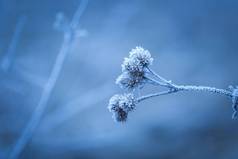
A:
139, 61
142, 98
173, 88
205, 89
8, 58
155, 82
49, 86
167, 82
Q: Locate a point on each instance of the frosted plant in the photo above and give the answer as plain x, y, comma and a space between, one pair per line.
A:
121, 105
133, 69
136, 72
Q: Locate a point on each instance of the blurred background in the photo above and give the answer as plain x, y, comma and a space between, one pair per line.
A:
191, 41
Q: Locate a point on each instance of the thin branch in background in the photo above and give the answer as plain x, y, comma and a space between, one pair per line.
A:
49, 86
136, 73
72, 108
8, 58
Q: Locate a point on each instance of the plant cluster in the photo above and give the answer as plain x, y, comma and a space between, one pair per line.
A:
136, 72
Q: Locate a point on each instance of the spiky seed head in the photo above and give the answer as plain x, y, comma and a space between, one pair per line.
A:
130, 81
119, 115
133, 68
120, 105
142, 55
127, 102
138, 59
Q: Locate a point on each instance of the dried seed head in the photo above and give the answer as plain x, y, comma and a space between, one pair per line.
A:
119, 115
133, 68
139, 58
129, 81
142, 55
120, 105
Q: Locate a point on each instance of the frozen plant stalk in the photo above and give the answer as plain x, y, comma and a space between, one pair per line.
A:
10, 54
68, 30
136, 72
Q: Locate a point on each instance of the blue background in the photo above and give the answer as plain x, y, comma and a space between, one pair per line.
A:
191, 41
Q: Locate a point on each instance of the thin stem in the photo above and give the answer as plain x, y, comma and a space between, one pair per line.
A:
38, 112
7, 60
187, 88
167, 82
75, 21
171, 85
156, 95
155, 82
173, 88
49, 86
205, 89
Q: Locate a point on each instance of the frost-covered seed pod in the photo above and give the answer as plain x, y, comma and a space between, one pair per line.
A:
119, 105
138, 59
142, 55
133, 68
129, 81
